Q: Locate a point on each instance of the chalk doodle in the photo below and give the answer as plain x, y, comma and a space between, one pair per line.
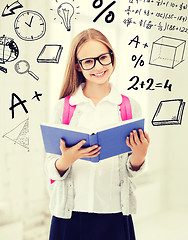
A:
149, 84
19, 102
3, 69
50, 53
110, 16
169, 112
22, 67
9, 9
20, 134
30, 25
37, 95
136, 41
160, 18
8, 49
66, 11
16, 101
167, 52
138, 60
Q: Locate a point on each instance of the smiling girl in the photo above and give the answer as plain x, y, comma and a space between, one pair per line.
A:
92, 201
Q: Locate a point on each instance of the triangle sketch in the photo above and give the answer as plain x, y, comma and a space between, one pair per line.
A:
20, 134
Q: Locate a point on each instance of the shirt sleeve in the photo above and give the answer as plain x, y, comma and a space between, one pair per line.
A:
50, 159
136, 112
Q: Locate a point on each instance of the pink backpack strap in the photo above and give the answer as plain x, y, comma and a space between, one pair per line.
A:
125, 108
67, 111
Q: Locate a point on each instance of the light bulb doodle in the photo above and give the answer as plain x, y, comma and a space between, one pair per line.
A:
66, 11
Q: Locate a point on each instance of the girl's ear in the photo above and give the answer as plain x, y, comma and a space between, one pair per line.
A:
78, 68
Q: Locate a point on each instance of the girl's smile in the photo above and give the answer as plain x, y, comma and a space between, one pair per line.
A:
99, 74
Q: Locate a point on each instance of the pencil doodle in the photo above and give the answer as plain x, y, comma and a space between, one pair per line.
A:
149, 84
50, 53
8, 49
110, 16
66, 11
20, 102
3, 69
22, 67
30, 25
169, 112
20, 134
37, 95
167, 52
9, 9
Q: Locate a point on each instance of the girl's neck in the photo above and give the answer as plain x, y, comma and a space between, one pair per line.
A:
96, 92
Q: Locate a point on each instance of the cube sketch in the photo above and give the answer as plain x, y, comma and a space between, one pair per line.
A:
167, 52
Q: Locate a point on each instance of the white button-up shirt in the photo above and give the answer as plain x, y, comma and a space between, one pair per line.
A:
96, 185
102, 187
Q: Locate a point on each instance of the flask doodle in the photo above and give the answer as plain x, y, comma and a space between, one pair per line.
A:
66, 11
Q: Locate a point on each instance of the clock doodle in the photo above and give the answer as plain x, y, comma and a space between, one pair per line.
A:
30, 25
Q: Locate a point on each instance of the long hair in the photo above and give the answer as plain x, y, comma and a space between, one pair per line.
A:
72, 77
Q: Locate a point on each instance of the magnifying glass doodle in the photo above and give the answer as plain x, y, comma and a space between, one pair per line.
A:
22, 67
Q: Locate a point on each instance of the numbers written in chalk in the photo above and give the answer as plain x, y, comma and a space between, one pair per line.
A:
149, 84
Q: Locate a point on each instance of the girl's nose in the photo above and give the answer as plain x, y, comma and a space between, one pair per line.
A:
98, 65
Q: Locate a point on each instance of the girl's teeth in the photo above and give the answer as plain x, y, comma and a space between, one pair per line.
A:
99, 74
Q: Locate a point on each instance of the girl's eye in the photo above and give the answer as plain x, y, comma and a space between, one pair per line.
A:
89, 61
103, 57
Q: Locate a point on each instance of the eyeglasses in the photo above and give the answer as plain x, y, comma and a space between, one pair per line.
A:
89, 63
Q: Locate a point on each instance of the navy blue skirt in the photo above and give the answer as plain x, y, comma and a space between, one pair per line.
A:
92, 226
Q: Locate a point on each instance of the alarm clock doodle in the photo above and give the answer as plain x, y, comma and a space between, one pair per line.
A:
30, 25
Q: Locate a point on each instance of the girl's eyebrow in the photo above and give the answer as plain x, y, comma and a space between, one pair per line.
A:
92, 57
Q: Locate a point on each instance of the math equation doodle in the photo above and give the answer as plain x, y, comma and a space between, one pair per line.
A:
110, 16
20, 134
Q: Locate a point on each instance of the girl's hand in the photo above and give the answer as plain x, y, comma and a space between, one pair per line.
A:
71, 154
139, 147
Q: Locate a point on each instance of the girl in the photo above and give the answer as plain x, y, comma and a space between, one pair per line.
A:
92, 201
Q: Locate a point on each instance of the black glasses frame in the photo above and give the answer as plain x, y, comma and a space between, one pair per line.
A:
96, 59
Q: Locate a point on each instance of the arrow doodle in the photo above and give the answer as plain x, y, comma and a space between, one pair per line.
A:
9, 9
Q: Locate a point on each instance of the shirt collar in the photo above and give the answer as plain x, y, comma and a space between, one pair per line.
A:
113, 97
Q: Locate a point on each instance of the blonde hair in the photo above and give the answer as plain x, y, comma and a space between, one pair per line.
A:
72, 77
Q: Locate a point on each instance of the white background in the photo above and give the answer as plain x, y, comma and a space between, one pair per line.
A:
162, 190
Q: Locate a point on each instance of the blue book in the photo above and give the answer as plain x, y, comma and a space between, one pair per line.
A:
111, 140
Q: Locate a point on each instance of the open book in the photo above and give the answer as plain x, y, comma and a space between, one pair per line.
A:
111, 140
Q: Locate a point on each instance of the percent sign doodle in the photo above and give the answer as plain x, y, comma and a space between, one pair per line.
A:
138, 61
110, 16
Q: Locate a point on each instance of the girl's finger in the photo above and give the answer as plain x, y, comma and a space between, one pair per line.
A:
94, 151
79, 145
132, 142
127, 142
89, 149
147, 136
62, 145
92, 155
142, 137
136, 138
